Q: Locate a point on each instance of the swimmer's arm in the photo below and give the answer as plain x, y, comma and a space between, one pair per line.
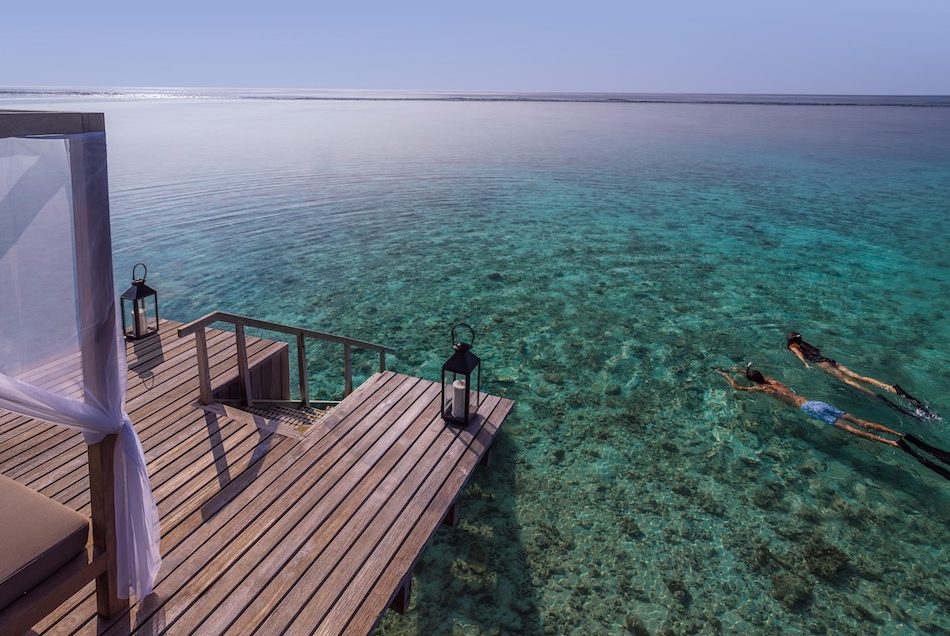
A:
735, 385
798, 354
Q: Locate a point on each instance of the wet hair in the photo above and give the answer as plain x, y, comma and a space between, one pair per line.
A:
793, 338
754, 375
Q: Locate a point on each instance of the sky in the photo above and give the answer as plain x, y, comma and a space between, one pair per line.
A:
724, 46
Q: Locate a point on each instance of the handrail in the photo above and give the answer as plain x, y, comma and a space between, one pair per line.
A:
223, 316
198, 326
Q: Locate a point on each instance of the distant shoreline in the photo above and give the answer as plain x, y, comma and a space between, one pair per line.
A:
920, 101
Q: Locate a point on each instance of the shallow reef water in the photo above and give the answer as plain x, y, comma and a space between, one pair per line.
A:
609, 256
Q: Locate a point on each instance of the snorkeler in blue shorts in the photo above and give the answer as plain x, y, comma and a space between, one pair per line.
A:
833, 416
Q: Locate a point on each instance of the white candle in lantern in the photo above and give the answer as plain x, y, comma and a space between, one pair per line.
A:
458, 400
140, 318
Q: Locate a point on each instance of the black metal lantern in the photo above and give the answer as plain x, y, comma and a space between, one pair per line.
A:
457, 406
139, 307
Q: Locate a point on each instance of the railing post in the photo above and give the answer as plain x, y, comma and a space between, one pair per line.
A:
302, 370
382, 360
347, 369
244, 374
204, 373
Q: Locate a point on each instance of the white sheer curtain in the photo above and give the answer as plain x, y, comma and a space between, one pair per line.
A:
62, 358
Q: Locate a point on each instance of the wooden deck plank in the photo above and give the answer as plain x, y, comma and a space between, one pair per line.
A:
328, 574
261, 530
86, 607
72, 448
234, 519
169, 526
188, 438
212, 477
71, 615
36, 438
58, 434
81, 474
184, 418
223, 571
74, 474
345, 615
242, 492
378, 545
189, 500
272, 581
195, 529
69, 366
196, 504
65, 370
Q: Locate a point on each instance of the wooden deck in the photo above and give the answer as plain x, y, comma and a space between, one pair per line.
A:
263, 532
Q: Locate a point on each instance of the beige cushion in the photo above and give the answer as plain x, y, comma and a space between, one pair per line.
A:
37, 537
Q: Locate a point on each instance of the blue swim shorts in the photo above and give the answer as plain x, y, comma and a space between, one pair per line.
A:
822, 411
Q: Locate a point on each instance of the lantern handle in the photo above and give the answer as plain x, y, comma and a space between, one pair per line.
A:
472, 331
144, 274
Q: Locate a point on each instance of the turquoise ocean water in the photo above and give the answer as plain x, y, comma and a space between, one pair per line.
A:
609, 255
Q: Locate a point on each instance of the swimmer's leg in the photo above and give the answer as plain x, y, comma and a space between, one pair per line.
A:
855, 431
901, 442
838, 374
866, 379
871, 426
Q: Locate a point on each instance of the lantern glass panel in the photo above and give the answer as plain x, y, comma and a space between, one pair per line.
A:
128, 321
150, 312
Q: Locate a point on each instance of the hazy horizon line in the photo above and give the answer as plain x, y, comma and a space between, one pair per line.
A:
390, 94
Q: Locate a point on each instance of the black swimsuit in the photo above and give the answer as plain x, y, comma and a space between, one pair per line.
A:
814, 356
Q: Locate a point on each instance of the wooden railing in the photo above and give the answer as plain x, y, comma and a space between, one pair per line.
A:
240, 323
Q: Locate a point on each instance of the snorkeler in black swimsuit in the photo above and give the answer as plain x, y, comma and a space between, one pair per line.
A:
809, 353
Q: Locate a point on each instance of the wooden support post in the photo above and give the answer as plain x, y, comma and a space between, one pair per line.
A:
102, 503
486, 457
451, 517
244, 374
400, 602
302, 370
204, 373
347, 369
97, 331
382, 361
